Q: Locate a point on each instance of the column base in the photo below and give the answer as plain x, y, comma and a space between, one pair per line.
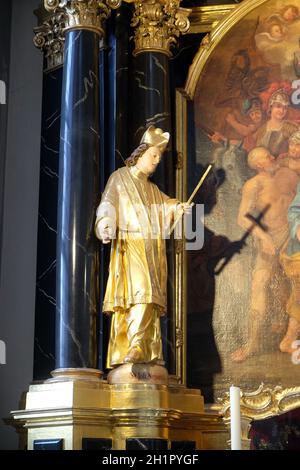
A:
71, 374
75, 414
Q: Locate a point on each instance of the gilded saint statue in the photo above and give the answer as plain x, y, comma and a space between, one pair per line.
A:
135, 216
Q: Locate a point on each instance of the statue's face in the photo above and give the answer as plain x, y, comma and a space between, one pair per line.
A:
148, 162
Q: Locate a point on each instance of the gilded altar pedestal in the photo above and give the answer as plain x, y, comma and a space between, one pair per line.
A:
77, 411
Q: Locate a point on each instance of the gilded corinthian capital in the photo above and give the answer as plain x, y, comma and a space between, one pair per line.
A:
157, 24
49, 36
84, 14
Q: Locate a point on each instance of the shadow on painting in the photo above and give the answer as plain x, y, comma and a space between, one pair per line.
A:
204, 266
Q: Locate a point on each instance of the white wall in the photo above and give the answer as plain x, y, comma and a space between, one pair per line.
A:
20, 214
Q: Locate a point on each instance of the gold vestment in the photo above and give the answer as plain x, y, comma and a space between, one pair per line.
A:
138, 265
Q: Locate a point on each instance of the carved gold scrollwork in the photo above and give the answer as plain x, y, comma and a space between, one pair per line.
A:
51, 5
114, 4
157, 24
179, 338
179, 161
263, 402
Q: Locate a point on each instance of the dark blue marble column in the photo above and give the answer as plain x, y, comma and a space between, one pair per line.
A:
45, 302
150, 104
77, 248
114, 126
123, 106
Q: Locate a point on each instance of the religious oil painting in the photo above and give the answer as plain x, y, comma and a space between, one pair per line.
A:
243, 286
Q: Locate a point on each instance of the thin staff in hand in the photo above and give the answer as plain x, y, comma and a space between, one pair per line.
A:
192, 196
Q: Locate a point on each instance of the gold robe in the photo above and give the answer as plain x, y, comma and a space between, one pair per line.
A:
138, 265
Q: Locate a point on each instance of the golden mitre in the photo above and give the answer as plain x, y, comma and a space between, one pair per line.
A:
156, 137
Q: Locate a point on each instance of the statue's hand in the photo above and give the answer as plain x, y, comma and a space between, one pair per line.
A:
104, 231
106, 238
184, 208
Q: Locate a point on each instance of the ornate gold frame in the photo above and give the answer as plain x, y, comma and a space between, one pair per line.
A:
264, 402
180, 255
203, 19
217, 20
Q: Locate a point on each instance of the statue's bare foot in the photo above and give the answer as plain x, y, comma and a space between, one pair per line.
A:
141, 371
242, 353
134, 356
